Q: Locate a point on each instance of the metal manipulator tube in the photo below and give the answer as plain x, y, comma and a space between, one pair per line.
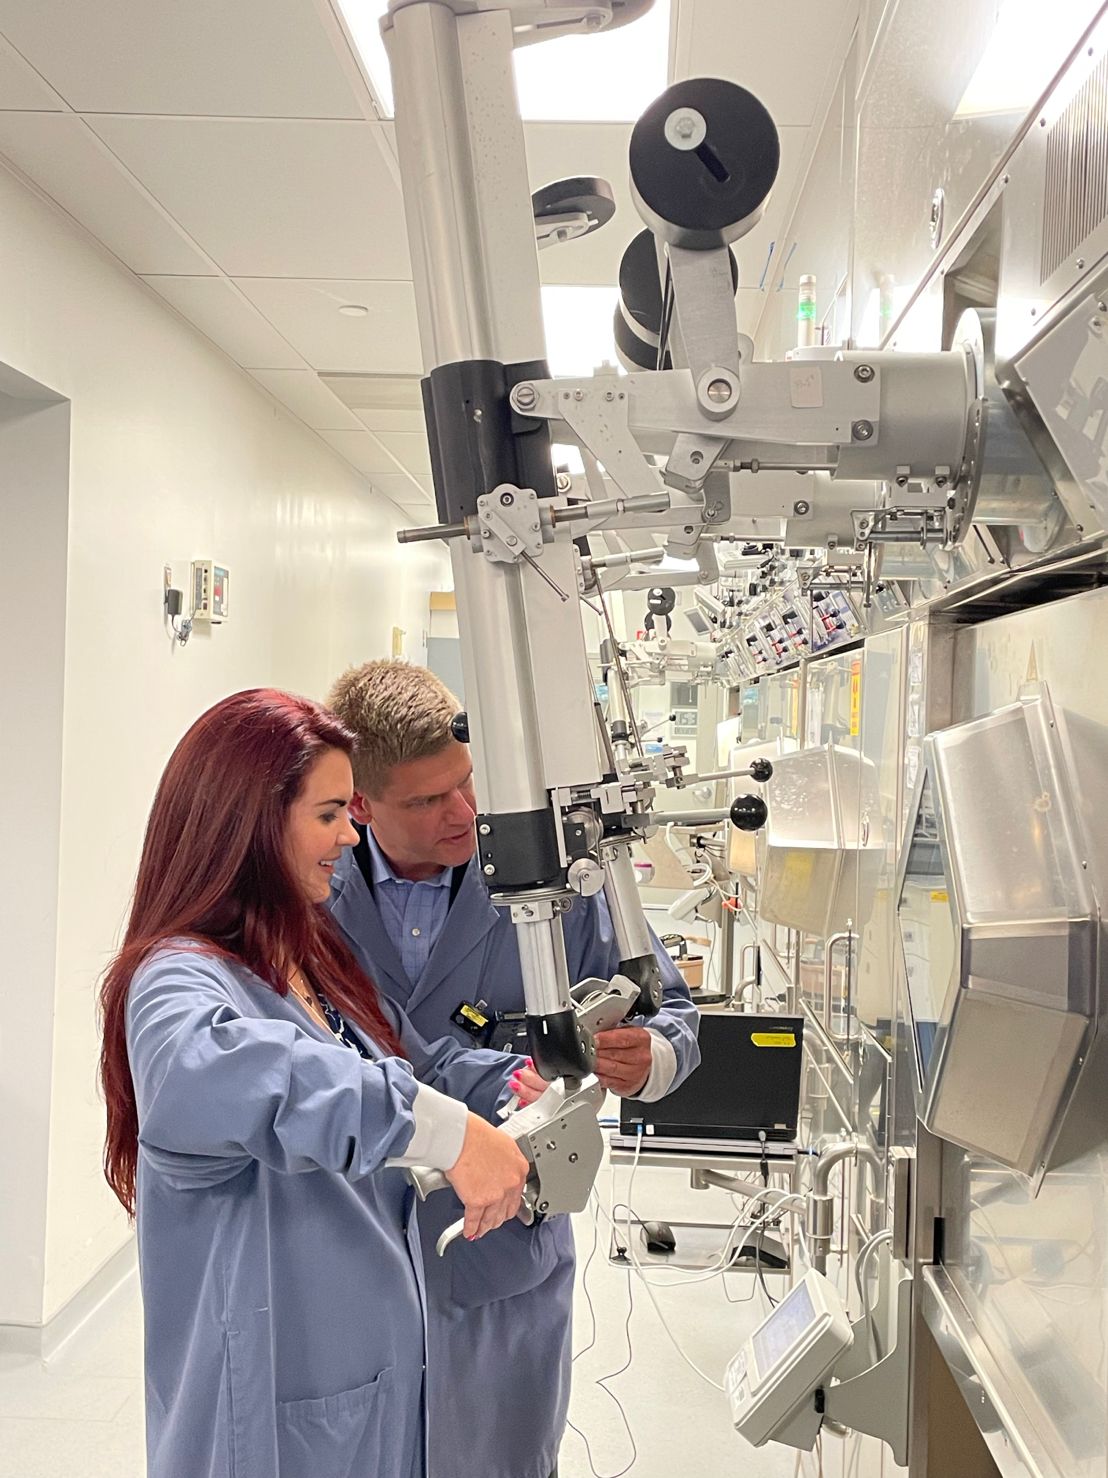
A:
637, 960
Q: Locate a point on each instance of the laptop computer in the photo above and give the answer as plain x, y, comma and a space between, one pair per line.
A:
747, 1084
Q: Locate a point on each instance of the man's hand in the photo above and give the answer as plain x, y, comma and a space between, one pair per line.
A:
624, 1059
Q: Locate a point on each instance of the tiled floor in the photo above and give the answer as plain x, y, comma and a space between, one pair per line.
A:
81, 1417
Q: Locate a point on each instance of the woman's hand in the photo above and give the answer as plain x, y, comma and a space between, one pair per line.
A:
488, 1177
527, 1085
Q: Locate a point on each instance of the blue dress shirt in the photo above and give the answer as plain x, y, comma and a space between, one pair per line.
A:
413, 913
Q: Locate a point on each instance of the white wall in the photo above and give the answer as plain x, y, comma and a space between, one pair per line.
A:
175, 455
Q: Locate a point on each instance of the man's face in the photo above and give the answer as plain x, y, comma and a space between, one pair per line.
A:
423, 819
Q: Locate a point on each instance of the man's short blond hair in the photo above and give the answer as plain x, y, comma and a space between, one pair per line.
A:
397, 712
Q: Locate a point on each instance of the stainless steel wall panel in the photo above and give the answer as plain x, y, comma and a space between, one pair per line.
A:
1033, 1270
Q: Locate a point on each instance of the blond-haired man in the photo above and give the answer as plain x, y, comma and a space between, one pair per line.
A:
414, 906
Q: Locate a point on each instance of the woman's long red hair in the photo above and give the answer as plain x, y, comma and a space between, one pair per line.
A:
213, 870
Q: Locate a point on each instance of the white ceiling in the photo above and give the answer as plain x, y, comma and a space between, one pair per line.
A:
232, 157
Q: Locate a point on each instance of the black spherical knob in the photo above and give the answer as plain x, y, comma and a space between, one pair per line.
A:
760, 770
749, 812
459, 727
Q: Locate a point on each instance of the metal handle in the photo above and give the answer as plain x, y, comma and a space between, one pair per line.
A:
426, 1181
829, 946
745, 980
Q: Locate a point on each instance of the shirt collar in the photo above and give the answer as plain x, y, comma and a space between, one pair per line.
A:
383, 870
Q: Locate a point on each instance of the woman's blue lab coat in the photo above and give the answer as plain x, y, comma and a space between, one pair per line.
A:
499, 1310
280, 1264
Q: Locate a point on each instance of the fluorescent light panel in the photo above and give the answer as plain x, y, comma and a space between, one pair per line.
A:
1029, 42
602, 78
578, 325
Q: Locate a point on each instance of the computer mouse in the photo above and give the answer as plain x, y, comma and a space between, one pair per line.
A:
658, 1236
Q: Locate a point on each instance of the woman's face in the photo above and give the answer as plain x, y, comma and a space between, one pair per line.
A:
318, 826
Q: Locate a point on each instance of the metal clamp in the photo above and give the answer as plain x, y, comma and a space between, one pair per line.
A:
509, 523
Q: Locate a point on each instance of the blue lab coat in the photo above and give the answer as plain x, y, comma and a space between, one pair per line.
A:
281, 1268
499, 1310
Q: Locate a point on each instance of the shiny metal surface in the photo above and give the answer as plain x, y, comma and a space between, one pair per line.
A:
813, 846
998, 927
985, 1383
1032, 1271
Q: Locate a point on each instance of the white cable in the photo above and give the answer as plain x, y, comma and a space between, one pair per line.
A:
633, 1254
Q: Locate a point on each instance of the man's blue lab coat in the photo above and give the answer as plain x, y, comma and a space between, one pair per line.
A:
499, 1310
281, 1270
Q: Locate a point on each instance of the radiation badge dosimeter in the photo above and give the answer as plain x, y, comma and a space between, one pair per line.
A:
772, 1381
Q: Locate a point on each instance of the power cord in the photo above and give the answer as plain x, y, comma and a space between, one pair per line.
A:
601, 1380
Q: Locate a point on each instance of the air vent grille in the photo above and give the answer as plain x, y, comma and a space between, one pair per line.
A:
1075, 200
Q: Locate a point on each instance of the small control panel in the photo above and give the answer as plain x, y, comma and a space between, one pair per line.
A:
211, 586
777, 1370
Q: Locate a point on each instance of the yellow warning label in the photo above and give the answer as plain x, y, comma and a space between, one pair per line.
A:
940, 895
471, 1014
855, 697
773, 1039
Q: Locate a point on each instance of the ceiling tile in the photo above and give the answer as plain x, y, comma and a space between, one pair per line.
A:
378, 420
410, 448
363, 451
785, 54
272, 198
374, 393
73, 167
383, 340
406, 491
270, 58
213, 305
557, 151
21, 86
303, 393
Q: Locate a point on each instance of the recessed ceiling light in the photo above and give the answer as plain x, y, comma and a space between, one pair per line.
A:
354, 310
1028, 43
578, 324
601, 78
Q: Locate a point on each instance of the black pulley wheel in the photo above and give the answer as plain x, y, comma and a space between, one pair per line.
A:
704, 157
638, 316
584, 195
749, 812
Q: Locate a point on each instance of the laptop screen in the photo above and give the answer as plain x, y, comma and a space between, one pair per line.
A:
748, 1082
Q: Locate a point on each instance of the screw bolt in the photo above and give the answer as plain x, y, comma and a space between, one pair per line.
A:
696, 458
578, 395
573, 1158
484, 829
506, 499
489, 870
861, 430
864, 373
801, 507
720, 392
525, 396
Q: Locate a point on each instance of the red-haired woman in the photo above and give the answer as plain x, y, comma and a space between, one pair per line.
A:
262, 1103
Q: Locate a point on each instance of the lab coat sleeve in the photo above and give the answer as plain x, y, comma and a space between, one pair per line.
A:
592, 950
216, 1089
475, 1075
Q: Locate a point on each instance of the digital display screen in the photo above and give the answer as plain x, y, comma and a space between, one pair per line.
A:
927, 929
783, 1328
